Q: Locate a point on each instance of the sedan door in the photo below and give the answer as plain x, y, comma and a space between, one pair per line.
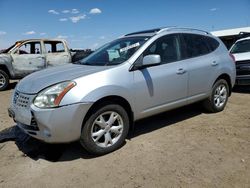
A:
162, 87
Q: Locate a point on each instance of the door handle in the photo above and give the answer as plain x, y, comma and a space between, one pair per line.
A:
180, 71
215, 63
40, 57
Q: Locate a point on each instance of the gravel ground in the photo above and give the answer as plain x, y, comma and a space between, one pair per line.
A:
180, 148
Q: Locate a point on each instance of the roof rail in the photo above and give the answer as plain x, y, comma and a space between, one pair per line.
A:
162, 29
145, 31
181, 29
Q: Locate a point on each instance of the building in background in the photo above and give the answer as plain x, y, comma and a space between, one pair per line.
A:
229, 36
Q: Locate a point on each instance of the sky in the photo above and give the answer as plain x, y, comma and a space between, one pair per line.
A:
92, 23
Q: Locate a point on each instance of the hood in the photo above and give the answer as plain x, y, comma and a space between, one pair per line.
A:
37, 81
242, 56
5, 58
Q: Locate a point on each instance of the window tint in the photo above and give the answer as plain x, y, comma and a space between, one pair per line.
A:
195, 45
212, 43
54, 46
166, 47
29, 48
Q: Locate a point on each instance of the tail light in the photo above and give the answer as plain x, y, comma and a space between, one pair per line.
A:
232, 56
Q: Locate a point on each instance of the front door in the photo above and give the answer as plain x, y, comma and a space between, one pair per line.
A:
161, 87
28, 58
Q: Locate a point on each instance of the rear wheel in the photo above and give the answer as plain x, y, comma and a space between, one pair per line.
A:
4, 80
218, 98
105, 130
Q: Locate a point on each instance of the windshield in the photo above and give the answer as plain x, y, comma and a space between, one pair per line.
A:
115, 52
241, 47
7, 50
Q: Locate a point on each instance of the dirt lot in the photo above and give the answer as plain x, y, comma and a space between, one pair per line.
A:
181, 148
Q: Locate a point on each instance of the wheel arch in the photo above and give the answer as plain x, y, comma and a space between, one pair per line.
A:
228, 80
5, 69
112, 99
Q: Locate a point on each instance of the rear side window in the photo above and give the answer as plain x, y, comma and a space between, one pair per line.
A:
54, 46
213, 44
197, 45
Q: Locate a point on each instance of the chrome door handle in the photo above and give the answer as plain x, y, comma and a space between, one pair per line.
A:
40, 57
215, 63
180, 71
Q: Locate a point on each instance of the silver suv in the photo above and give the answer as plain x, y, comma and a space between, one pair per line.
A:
136, 76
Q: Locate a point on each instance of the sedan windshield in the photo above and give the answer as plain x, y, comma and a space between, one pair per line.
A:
241, 47
115, 52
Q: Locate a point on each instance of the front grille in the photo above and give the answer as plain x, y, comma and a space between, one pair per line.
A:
21, 100
243, 62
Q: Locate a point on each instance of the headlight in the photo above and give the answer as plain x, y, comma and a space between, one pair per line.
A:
52, 96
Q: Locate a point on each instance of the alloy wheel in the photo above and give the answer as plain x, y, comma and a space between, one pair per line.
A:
220, 95
2, 80
107, 129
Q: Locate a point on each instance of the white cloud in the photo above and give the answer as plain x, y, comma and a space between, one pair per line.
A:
53, 11
3, 33
76, 19
30, 33
62, 37
102, 37
42, 34
95, 11
213, 9
63, 19
65, 11
74, 11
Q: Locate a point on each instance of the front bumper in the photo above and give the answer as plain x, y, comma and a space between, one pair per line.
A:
53, 125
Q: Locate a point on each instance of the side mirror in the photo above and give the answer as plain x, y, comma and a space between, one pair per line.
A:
151, 60
147, 61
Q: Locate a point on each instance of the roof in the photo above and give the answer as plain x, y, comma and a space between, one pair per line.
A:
152, 32
230, 32
46, 39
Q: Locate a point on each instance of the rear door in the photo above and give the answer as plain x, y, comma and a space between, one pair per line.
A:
56, 53
28, 58
202, 63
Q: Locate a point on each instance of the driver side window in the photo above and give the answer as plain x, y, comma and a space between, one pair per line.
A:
167, 47
29, 48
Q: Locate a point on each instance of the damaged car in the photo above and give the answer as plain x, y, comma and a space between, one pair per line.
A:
28, 56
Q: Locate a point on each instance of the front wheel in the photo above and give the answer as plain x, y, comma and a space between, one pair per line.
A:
4, 80
105, 130
218, 98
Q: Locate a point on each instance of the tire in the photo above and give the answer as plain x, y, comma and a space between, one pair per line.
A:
218, 98
4, 80
101, 134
